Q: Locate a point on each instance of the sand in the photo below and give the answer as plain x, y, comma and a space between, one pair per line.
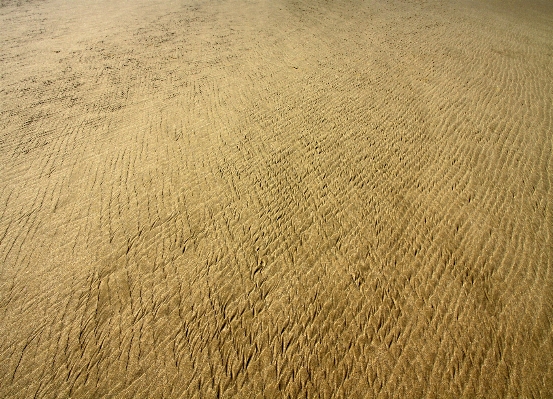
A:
289, 198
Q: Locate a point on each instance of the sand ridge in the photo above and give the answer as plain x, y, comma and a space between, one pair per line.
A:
276, 199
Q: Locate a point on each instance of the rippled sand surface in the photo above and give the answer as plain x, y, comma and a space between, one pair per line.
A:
289, 198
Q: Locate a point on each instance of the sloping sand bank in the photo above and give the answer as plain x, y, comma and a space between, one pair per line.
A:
289, 198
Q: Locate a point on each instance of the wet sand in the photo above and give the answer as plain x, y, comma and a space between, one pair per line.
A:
273, 199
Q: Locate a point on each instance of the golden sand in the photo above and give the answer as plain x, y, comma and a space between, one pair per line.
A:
289, 198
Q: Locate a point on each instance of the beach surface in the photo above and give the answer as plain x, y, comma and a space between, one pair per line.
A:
276, 199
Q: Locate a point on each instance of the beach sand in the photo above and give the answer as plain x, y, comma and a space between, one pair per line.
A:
290, 198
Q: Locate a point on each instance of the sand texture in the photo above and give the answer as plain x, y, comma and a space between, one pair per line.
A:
276, 199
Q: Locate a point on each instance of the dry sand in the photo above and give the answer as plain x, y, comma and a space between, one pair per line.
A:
286, 198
